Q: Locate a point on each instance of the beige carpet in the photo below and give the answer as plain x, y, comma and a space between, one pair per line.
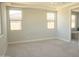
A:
46, 48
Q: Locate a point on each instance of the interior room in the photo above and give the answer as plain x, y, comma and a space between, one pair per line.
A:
39, 29
75, 24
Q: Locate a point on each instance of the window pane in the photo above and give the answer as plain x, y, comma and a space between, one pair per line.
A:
15, 25
73, 17
15, 14
73, 25
50, 25
50, 16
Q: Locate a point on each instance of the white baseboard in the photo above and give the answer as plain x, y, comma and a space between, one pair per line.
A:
33, 40
63, 39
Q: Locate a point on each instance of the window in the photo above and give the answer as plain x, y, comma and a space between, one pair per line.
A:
51, 20
15, 17
73, 25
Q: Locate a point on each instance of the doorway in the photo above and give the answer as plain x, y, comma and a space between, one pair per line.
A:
75, 25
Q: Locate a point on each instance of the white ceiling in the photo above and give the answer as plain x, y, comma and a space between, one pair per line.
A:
76, 9
50, 4
45, 5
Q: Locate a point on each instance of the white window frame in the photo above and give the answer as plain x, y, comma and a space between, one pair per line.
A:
15, 20
55, 21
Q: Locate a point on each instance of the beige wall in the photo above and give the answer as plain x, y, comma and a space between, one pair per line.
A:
34, 26
63, 24
0, 19
3, 36
3, 45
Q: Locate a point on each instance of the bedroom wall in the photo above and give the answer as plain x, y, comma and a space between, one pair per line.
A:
3, 36
31, 31
77, 17
34, 26
63, 24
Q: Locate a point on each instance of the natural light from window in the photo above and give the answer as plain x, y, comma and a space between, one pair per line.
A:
15, 25
15, 17
50, 16
50, 20
73, 25
50, 25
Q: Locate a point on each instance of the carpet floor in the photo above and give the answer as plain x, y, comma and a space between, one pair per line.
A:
46, 48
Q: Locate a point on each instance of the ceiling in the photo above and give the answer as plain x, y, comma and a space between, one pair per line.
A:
53, 5
76, 9
50, 4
